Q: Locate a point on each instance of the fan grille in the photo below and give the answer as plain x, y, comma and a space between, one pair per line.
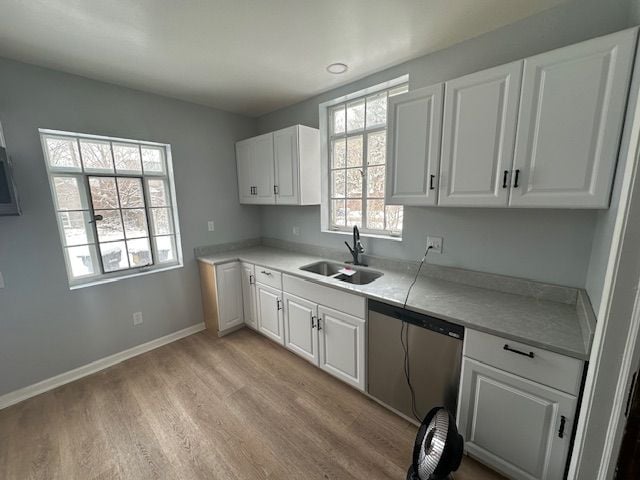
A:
433, 444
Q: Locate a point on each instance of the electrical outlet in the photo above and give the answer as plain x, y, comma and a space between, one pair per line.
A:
137, 318
435, 243
1, 280
296, 230
211, 226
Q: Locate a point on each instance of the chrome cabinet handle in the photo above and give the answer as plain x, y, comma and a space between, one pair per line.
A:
519, 352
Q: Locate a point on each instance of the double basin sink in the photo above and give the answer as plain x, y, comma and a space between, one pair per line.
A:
335, 270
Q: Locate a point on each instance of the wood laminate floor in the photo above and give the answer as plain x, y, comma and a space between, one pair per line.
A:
238, 407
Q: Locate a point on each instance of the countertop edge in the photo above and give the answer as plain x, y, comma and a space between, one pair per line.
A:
581, 310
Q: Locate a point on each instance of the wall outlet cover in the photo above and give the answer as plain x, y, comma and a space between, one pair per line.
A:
211, 226
435, 243
1, 280
296, 230
137, 318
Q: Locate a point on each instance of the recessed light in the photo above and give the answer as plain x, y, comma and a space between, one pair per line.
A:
337, 68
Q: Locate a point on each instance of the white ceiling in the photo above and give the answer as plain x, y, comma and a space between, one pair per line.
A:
246, 56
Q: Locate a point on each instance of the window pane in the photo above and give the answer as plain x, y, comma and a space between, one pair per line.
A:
162, 221
337, 183
103, 192
139, 252
375, 214
339, 148
337, 120
375, 181
376, 148
68, 193
355, 115
165, 249
354, 213
153, 159
82, 260
158, 196
74, 228
114, 256
354, 182
110, 227
62, 152
354, 151
394, 214
398, 90
338, 213
127, 158
130, 190
96, 156
135, 223
377, 110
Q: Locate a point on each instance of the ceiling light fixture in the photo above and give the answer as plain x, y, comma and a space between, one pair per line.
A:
337, 68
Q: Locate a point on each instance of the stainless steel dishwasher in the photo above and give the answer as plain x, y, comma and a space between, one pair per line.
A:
434, 359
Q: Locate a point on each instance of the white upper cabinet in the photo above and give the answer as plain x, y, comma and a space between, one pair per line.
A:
478, 137
262, 166
571, 115
413, 146
280, 168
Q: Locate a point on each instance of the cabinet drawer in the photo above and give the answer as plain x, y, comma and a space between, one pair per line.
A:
549, 368
327, 296
266, 276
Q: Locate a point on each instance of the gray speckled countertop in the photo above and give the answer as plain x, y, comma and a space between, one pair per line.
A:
542, 323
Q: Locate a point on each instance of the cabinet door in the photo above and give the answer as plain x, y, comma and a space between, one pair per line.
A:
519, 427
262, 163
571, 115
249, 295
478, 137
270, 320
300, 332
244, 162
285, 150
413, 146
342, 346
229, 290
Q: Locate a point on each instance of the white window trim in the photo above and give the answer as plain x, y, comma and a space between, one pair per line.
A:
323, 108
103, 278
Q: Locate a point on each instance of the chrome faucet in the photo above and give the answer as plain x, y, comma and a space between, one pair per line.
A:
357, 247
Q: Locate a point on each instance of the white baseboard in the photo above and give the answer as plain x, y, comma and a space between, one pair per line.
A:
17, 396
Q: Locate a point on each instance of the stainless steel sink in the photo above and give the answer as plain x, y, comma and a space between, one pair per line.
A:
332, 269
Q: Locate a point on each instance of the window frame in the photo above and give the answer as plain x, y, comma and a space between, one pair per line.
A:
82, 176
327, 136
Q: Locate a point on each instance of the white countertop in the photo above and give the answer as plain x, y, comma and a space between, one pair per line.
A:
541, 323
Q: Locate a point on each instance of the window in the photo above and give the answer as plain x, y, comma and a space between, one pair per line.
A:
115, 205
356, 132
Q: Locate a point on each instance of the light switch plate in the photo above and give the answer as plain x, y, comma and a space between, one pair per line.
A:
296, 230
1, 280
211, 226
435, 243
137, 318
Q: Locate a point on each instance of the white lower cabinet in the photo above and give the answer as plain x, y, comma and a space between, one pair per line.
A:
229, 296
300, 327
342, 347
518, 426
269, 307
249, 295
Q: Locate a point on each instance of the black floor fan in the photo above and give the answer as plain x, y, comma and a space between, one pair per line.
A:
438, 448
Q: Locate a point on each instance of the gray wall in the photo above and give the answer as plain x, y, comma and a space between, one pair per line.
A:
552, 246
45, 328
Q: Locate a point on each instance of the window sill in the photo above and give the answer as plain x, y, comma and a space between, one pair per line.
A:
139, 273
365, 235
